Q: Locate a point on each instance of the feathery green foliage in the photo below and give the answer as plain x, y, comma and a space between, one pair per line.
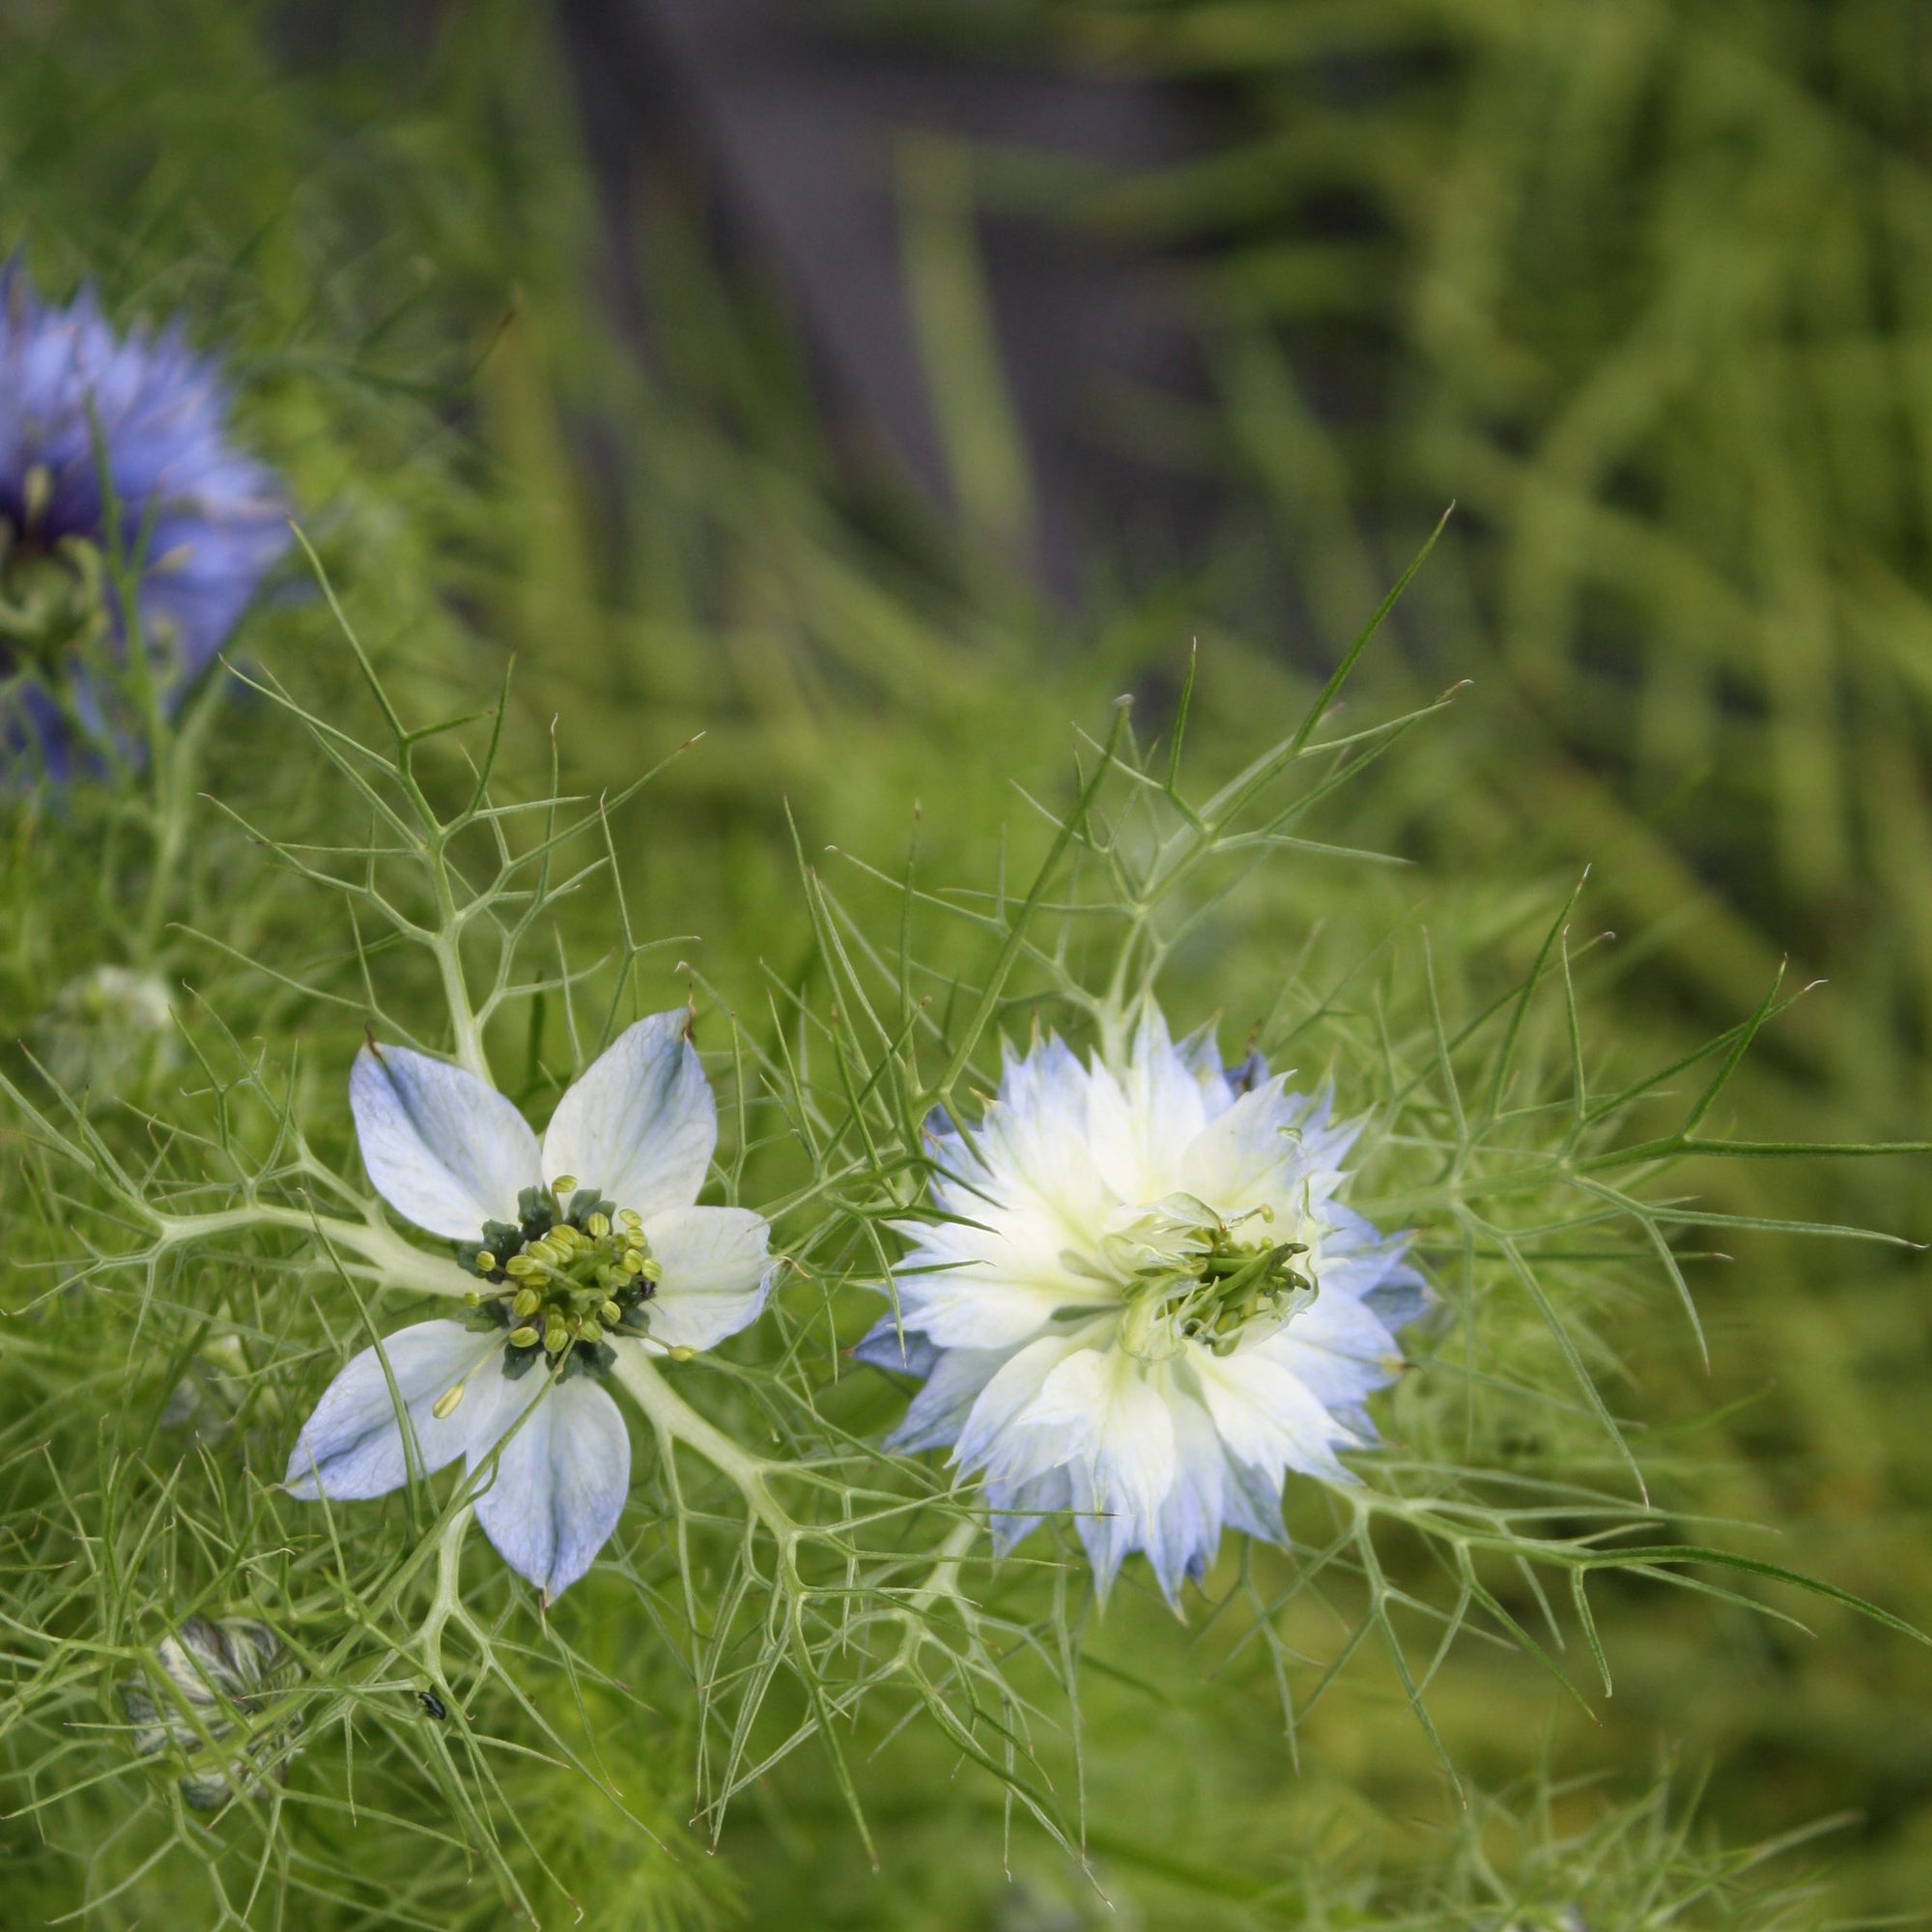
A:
795, 1648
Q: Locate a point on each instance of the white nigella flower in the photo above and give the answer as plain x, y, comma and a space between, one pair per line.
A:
1145, 1303
583, 1245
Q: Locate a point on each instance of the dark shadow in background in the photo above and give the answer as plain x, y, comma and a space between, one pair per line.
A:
787, 129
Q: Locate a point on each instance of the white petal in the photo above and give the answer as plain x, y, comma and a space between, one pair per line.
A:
443, 1150
352, 1447
1186, 1531
1336, 1348
989, 1288
1252, 1154
1201, 1054
1010, 1455
1266, 1416
1108, 1405
641, 1125
560, 1484
717, 1272
1141, 1121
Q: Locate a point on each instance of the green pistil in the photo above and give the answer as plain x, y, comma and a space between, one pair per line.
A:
564, 1280
1215, 1293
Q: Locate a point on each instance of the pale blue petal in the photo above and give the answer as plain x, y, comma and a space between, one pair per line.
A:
1251, 1502
640, 1125
716, 1274
1187, 1530
1108, 1534
560, 1485
444, 1150
1399, 1298
352, 1447
892, 1346
938, 1412
1201, 1054
1020, 1508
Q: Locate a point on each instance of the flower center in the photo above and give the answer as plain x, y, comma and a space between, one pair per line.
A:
53, 589
563, 1279
1192, 1277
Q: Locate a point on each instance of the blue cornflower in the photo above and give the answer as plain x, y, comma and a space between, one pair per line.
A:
199, 522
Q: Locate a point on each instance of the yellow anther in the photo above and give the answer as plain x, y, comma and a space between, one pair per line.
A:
633, 1262
556, 1337
564, 1183
445, 1403
486, 1262
683, 1354
597, 1227
524, 1337
631, 1219
527, 1302
652, 1270
611, 1314
522, 1266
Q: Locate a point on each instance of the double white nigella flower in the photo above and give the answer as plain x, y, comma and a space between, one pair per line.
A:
1144, 1303
582, 1246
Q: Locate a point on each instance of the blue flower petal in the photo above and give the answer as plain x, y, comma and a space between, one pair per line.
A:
560, 1484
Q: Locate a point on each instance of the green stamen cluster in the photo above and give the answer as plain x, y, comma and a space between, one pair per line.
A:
572, 1272
1238, 1287
1214, 1291
53, 595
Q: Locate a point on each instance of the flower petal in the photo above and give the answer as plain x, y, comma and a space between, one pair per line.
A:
444, 1151
1269, 1418
717, 1272
1139, 1120
1107, 1405
352, 1447
1187, 1530
988, 1441
641, 1125
559, 1482
936, 1414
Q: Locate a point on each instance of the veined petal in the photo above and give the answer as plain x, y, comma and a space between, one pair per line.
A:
352, 1447
939, 1411
1251, 1154
988, 1440
978, 1288
444, 1151
1141, 1121
640, 1125
560, 1484
1017, 1509
1267, 1417
717, 1272
1108, 1405
1186, 1531
1337, 1350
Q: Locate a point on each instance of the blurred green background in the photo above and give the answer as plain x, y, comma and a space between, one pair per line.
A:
1643, 286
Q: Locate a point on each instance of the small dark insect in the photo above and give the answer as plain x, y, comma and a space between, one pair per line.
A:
433, 1704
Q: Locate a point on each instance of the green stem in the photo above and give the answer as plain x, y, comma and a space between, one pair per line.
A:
448, 1599
396, 1261
676, 1421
